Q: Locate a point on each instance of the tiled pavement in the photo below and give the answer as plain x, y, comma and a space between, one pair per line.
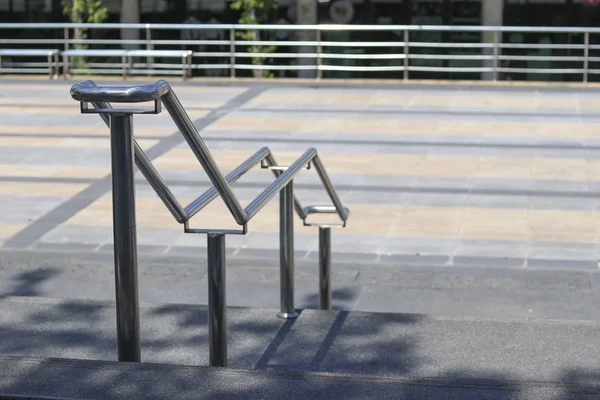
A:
457, 175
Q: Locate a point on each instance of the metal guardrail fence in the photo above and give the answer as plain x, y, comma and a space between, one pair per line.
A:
125, 151
316, 49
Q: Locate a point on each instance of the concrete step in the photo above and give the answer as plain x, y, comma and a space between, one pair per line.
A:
541, 358
78, 379
479, 290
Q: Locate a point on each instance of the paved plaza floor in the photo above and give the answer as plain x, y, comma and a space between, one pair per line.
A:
451, 175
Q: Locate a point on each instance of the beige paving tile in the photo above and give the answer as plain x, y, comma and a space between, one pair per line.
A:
490, 223
67, 102
414, 221
318, 98
40, 189
8, 229
409, 164
99, 130
567, 226
426, 221
354, 125
64, 142
54, 171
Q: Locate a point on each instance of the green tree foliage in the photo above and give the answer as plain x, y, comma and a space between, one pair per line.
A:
255, 12
78, 11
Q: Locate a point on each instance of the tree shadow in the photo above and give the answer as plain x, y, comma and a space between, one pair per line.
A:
377, 355
29, 283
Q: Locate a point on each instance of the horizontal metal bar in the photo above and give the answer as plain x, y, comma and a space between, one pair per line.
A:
203, 200
323, 27
25, 70
541, 58
451, 69
361, 44
539, 46
449, 57
478, 45
365, 69
210, 66
27, 52
257, 204
277, 67
543, 71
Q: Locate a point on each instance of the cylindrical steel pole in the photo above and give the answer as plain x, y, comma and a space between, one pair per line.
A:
217, 314
286, 250
324, 268
124, 234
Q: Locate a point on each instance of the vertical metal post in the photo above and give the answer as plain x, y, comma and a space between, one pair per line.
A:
324, 268
319, 52
149, 59
586, 56
66, 58
286, 250
406, 38
217, 316
124, 234
232, 53
496, 53
124, 63
56, 66
50, 66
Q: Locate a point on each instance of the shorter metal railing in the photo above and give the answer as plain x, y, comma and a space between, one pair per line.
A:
401, 53
125, 151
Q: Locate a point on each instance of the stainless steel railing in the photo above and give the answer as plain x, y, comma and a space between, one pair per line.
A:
402, 55
125, 151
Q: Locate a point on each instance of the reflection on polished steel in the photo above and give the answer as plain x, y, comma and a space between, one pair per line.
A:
124, 147
286, 251
324, 268
124, 234
217, 312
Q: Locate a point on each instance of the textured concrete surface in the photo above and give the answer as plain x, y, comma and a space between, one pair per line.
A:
102, 380
398, 286
454, 355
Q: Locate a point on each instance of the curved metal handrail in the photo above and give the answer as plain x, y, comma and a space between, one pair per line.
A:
101, 96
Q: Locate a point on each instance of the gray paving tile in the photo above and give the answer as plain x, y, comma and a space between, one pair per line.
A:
24, 209
414, 259
562, 203
435, 199
79, 234
499, 201
562, 264
489, 261
79, 247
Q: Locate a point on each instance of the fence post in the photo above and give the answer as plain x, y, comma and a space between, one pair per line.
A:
286, 243
586, 56
496, 55
149, 46
217, 314
319, 52
324, 268
66, 58
124, 235
406, 49
232, 52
